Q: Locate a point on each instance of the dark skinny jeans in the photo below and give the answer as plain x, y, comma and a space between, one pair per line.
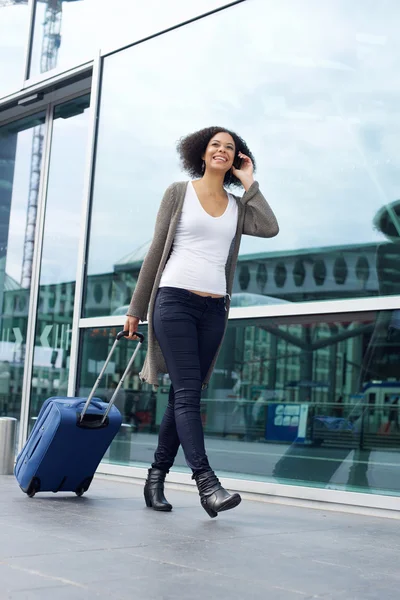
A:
189, 329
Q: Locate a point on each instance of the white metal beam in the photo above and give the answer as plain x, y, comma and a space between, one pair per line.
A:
295, 309
85, 219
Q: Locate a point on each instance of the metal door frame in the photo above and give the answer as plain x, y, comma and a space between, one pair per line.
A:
37, 259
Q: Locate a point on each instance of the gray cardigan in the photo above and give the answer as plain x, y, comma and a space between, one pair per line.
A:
255, 217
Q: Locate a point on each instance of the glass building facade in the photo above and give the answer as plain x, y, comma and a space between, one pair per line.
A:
93, 99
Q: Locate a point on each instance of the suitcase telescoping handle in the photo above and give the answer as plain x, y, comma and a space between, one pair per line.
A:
120, 335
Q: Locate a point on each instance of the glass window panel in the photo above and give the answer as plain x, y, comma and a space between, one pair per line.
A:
70, 32
60, 252
313, 88
14, 21
310, 400
21, 145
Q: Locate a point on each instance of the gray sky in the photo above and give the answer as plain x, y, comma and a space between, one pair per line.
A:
19, 203
314, 91
91, 24
13, 39
64, 201
313, 87
86, 26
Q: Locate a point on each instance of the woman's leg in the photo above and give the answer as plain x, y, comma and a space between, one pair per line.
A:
168, 439
210, 329
176, 317
214, 498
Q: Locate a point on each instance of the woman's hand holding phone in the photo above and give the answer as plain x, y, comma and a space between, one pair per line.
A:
243, 169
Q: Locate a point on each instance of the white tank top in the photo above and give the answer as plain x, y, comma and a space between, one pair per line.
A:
201, 247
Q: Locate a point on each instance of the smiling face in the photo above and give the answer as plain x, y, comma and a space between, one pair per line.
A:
220, 153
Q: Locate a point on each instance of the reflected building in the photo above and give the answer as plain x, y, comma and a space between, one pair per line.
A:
311, 274
309, 369
290, 364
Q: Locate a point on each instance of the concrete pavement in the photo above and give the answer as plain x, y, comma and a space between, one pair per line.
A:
108, 545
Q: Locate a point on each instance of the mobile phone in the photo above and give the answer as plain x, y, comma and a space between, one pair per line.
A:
237, 163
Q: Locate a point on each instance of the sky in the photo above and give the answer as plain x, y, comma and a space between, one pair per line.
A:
14, 21
64, 201
85, 27
312, 87
88, 25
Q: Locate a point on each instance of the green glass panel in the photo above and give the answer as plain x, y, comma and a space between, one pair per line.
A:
310, 400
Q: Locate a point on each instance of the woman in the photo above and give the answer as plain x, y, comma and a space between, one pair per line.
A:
184, 285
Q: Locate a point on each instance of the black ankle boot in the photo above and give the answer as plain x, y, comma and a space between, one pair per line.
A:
213, 497
154, 490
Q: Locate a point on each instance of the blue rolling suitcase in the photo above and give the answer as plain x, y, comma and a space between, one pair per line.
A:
69, 439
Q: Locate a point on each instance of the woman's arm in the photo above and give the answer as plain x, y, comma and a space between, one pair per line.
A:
141, 296
259, 218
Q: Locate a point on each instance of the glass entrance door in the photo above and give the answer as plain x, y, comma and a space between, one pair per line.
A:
58, 265
39, 225
21, 161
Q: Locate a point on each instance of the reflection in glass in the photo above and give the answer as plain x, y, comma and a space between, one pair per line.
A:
60, 252
318, 107
65, 35
14, 19
308, 399
20, 166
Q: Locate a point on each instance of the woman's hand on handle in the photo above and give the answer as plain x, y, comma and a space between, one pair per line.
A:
131, 325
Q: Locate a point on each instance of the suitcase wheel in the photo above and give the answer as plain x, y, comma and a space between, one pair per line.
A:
34, 487
83, 486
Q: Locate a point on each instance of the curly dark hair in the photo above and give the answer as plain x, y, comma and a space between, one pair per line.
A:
192, 147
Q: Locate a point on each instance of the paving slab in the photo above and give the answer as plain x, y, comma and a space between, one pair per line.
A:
107, 544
